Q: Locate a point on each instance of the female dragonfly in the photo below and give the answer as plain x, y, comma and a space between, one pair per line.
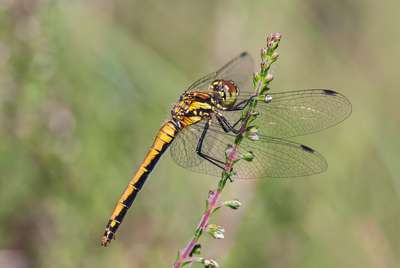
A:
203, 123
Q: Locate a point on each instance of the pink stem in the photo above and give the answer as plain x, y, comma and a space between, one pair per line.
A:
272, 43
212, 204
212, 201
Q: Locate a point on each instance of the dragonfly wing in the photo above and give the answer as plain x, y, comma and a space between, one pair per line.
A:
278, 158
273, 157
202, 83
297, 113
240, 70
183, 150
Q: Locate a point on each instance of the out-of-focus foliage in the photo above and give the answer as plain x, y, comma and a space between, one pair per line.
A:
85, 84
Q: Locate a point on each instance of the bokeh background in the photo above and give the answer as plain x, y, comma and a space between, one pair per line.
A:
85, 85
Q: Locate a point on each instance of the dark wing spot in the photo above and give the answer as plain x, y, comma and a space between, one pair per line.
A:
330, 92
307, 149
243, 54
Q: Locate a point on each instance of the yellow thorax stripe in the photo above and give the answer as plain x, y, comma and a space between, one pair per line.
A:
199, 105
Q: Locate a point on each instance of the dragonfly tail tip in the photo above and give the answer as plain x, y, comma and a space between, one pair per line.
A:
105, 241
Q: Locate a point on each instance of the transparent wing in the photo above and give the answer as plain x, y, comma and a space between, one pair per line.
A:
183, 148
240, 70
202, 83
297, 113
273, 157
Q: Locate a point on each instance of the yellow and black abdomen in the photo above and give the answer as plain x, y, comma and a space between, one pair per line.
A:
163, 139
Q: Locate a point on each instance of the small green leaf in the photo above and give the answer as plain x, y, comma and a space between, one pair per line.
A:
196, 250
198, 232
215, 210
249, 156
252, 129
256, 79
185, 263
255, 113
222, 182
189, 261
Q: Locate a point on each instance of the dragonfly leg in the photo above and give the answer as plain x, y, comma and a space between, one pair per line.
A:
199, 147
241, 105
237, 122
238, 107
223, 123
226, 126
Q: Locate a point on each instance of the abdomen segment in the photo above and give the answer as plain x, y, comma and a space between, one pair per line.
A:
163, 139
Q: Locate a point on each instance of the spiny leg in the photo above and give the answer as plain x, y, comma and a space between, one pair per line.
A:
199, 148
241, 105
226, 126
223, 125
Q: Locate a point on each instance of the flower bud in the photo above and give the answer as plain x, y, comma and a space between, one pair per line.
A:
233, 204
254, 137
231, 153
273, 40
252, 129
210, 263
269, 77
263, 52
263, 65
267, 98
216, 231
275, 56
252, 133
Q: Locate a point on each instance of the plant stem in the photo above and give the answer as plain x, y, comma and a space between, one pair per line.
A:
261, 83
212, 204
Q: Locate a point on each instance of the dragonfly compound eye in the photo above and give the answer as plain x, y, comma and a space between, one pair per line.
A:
231, 92
227, 91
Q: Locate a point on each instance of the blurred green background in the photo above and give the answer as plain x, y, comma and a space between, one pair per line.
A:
84, 86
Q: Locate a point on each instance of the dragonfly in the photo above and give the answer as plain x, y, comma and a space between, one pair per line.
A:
205, 121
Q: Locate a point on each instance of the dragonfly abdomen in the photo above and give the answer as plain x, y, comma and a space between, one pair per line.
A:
163, 139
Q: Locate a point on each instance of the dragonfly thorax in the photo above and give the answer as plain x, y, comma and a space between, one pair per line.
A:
192, 108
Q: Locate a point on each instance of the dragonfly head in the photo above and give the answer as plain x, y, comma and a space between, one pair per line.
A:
225, 92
